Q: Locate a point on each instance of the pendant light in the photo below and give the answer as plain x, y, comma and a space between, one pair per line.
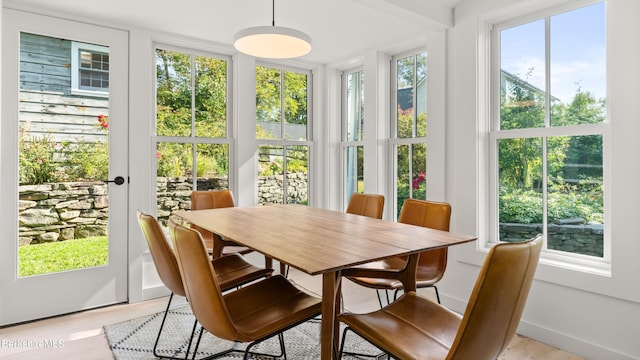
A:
272, 42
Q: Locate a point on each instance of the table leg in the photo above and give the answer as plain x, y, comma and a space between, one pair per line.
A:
330, 334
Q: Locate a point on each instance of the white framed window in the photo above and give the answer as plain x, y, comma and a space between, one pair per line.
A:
193, 127
352, 145
283, 133
548, 134
89, 69
408, 142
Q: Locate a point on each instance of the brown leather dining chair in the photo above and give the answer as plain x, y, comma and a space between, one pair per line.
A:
214, 199
371, 205
232, 271
217, 246
432, 264
253, 313
414, 327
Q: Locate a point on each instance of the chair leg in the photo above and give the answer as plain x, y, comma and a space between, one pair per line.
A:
164, 318
284, 270
380, 299
245, 351
283, 353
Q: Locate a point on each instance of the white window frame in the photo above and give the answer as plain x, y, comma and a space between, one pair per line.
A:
394, 141
345, 144
309, 143
75, 68
489, 104
193, 139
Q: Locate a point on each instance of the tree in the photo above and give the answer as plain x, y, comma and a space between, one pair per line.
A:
179, 104
277, 91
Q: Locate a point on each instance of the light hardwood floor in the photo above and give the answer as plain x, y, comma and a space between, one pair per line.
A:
82, 337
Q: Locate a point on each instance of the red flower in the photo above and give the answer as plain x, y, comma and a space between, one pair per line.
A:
419, 180
103, 121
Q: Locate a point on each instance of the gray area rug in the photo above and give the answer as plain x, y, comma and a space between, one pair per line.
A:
134, 339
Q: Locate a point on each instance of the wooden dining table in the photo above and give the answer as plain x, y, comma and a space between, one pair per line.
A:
320, 242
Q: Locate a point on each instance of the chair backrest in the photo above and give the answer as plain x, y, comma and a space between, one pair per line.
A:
431, 214
371, 205
497, 300
210, 199
163, 256
200, 282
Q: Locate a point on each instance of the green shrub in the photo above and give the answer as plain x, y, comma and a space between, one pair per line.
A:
565, 201
41, 160
86, 161
36, 159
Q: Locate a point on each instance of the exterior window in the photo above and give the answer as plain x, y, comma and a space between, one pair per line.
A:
282, 130
192, 142
89, 69
409, 76
353, 133
549, 131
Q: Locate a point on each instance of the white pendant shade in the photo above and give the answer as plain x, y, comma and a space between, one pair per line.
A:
272, 42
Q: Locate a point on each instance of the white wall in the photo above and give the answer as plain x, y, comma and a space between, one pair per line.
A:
594, 316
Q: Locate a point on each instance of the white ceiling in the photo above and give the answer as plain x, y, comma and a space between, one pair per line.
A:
339, 29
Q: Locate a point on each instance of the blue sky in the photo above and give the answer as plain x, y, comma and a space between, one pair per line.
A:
577, 51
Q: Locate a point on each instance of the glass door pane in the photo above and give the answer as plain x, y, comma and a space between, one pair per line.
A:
63, 155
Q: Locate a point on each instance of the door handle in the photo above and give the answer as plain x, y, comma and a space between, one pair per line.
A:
119, 180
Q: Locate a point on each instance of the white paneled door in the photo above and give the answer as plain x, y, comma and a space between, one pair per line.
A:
63, 179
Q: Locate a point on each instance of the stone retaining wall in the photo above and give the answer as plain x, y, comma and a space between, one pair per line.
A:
587, 239
62, 211
175, 193
270, 189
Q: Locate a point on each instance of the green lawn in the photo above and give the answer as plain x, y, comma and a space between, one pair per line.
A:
62, 255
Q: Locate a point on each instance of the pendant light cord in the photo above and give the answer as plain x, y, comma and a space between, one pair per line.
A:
273, 12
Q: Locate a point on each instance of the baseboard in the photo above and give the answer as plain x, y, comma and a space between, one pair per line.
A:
551, 337
569, 343
155, 292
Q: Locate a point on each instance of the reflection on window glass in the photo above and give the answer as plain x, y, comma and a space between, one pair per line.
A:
354, 170
355, 106
352, 133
